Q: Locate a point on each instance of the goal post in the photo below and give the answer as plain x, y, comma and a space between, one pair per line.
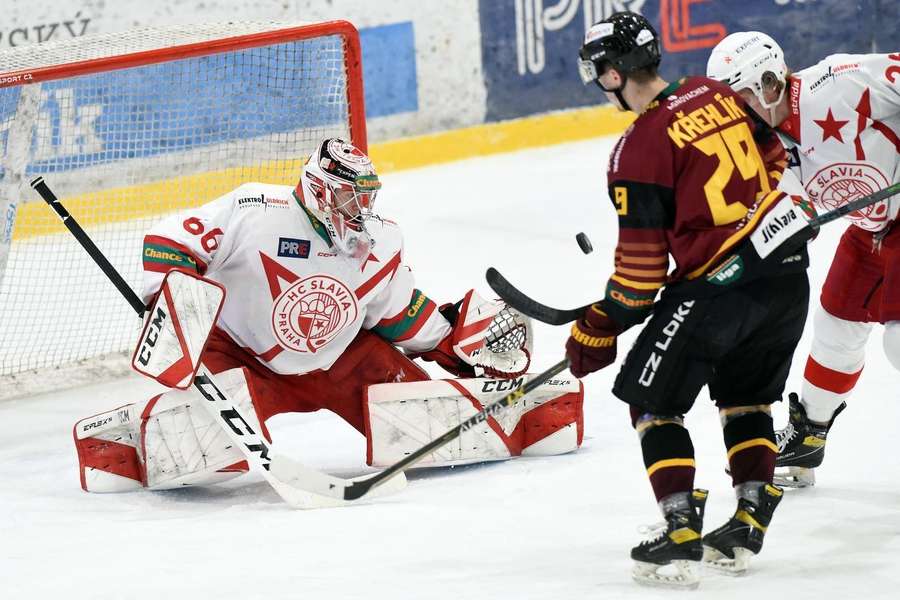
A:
132, 126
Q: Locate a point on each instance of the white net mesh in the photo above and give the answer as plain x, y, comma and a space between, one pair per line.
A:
123, 147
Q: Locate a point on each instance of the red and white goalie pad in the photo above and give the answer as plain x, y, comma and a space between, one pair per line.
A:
403, 417
169, 441
177, 327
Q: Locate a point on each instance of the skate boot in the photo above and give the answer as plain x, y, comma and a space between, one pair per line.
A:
677, 546
801, 446
730, 547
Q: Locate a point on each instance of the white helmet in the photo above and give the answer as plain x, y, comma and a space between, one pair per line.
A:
743, 58
338, 186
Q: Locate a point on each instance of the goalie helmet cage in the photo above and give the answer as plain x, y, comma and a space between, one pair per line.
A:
129, 127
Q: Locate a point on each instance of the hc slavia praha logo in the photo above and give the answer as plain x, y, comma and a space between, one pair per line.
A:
312, 312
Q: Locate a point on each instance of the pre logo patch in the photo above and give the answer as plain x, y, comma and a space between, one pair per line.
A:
291, 248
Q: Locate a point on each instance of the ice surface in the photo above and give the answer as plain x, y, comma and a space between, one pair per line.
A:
531, 528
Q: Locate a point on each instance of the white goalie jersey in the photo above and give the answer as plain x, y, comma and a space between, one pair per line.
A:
843, 133
292, 300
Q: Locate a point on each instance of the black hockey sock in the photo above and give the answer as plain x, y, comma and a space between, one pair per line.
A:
668, 454
750, 442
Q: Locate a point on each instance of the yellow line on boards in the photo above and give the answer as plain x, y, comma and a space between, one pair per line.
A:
496, 138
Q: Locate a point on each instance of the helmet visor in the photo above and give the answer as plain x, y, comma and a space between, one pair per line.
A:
588, 71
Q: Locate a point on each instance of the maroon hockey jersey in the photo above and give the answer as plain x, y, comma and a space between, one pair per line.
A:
688, 180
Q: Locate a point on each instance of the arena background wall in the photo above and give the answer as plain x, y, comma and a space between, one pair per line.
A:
449, 79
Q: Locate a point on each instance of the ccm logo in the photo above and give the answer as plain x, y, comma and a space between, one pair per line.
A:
291, 248
501, 385
152, 335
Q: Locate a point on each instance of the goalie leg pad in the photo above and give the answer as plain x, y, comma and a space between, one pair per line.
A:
166, 442
402, 417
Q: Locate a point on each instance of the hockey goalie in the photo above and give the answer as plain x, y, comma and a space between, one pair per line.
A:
298, 299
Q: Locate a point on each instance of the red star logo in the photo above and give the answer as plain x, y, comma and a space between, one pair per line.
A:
831, 127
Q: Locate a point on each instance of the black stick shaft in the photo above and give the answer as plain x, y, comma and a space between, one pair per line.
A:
88, 244
359, 488
855, 205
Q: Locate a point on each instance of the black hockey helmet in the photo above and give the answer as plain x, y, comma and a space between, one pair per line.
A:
625, 41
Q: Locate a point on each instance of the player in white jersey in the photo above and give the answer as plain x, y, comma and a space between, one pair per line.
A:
840, 122
318, 301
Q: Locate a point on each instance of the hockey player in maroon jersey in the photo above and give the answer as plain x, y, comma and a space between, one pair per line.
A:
691, 178
840, 120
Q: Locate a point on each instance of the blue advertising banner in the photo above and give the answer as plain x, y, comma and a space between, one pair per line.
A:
389, 69
530, 47
160, 108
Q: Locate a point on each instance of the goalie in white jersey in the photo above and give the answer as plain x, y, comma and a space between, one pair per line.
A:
840, 123
318, 300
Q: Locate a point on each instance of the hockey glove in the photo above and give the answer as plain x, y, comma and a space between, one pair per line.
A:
592, 343
487, 339
808, 209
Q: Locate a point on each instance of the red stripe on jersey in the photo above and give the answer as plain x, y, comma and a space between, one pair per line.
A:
417, 326
274, 271
386, 270
864, 108
269, 354
829, 379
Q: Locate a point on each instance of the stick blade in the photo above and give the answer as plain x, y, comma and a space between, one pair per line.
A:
512, 296
306, 488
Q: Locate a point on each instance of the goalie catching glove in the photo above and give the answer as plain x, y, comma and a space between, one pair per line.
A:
592, 343
488, 338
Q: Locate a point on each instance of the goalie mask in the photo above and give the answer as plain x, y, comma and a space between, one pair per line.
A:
338, 186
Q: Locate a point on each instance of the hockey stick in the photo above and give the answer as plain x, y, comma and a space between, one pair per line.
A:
321, 490
359, 488
559, 316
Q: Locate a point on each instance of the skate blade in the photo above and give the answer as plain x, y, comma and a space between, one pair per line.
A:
735, 567
794, 477
685, 576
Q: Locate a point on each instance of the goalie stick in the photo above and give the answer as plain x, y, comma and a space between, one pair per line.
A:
558, 316
299, 486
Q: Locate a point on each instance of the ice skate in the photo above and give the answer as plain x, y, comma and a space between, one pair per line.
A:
729, 548
801, 446
672, 558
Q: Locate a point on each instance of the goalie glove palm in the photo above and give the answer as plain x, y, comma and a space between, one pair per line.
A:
592, 343
488, 338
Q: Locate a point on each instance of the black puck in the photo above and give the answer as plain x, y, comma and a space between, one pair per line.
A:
584, 243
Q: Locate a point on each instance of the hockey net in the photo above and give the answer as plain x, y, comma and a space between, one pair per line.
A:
127, 128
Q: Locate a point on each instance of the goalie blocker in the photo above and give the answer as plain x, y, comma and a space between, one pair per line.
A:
169, 441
